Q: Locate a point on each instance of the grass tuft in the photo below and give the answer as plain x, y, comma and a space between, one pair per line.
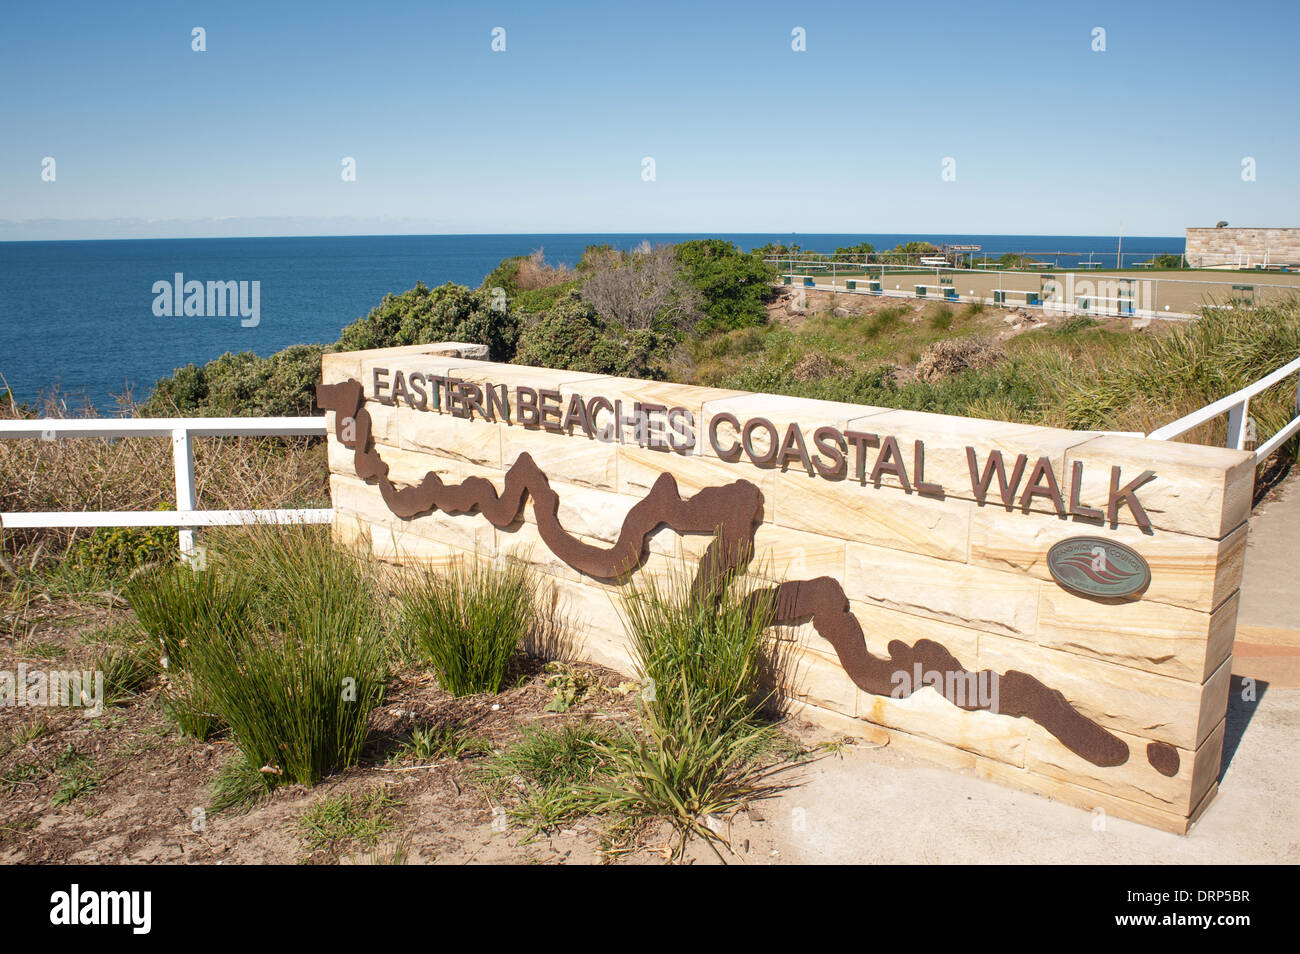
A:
468, 621
237, 786
297, 675
550, 773
349, 819
432, 743
698, 653
699, 768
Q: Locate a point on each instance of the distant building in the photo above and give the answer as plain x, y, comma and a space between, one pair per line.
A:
1243, 248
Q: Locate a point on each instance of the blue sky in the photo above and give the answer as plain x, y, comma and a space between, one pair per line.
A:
1049, 137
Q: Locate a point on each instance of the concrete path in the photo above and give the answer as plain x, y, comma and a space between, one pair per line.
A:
878, 806
1268, 620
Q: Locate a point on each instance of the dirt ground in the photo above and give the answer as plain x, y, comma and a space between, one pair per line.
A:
147, 795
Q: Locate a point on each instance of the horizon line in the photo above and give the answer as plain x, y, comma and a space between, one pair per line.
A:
706, 232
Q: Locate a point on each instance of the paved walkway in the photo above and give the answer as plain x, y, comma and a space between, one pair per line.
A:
880, 806
1268, 621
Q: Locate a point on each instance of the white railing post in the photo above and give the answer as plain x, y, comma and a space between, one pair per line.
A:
1237, 425
186, 501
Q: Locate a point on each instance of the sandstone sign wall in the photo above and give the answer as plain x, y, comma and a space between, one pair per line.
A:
1244, 247
911, 554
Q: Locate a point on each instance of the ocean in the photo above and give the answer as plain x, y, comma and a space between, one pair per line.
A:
78, 318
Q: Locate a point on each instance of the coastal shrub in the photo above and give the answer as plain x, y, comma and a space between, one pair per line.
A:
534, 272
241, 385
421, 315
520, 274
1079, 375
468, 621
112, 552
573, 336
503, 276
734, 285
643, 289
1155, 378
1011, 383
538, 301
137, 473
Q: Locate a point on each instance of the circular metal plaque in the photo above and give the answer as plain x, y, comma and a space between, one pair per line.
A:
1095, 566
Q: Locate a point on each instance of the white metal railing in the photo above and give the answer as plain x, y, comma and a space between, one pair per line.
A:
1237, 407
182, 432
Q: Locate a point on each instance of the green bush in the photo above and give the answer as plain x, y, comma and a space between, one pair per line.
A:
468, 621
574, 337
241, 385
538, 301
112, 552
421, 315
855, 252
734, 285
504, 275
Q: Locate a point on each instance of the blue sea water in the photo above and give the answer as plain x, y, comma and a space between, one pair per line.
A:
79, 316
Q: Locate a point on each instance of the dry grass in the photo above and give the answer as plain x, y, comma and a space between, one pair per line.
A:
534, 273
955, 355
1140, 382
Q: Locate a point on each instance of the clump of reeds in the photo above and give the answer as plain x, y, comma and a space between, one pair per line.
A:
468, 621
